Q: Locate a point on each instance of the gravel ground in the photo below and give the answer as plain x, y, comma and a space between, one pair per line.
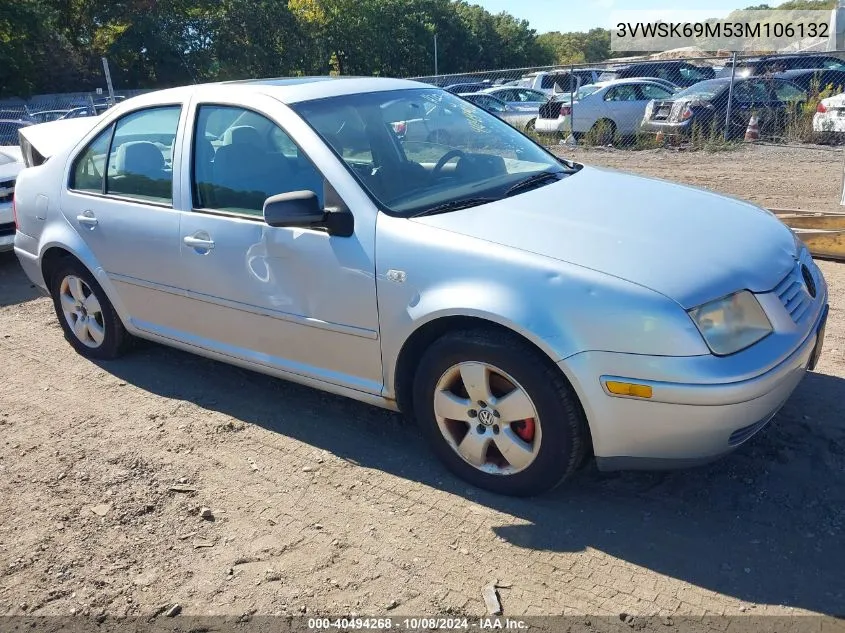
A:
316, 504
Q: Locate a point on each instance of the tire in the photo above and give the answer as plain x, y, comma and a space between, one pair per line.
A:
604, 132
530, 127
100, 335
541, 455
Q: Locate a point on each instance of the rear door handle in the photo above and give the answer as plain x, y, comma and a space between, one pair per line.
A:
87, 218
198, 243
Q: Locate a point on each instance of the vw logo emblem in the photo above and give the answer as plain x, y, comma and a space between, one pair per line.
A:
485, 416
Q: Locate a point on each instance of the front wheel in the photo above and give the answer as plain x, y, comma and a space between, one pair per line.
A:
498, 414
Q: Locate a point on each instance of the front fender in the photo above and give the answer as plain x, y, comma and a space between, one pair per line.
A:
426, 274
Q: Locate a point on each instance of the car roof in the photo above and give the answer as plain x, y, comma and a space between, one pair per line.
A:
622, 82
796, 72
288, 90
476, 94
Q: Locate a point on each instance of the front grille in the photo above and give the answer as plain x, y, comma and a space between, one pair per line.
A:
793, 291
550, 109
7, 190
7, 229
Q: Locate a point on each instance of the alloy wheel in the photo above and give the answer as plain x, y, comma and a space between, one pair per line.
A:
487, 418
82, 311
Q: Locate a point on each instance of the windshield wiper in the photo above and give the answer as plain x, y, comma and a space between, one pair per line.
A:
531, 181
453, 205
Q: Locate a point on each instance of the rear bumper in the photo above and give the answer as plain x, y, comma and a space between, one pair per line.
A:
829, 122
687, 422
26, 249
553, 126
669, 128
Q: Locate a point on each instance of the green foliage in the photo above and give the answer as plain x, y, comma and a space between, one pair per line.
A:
56, 45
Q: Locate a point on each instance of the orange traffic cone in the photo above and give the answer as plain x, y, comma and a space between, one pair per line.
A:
661, 137
753, 131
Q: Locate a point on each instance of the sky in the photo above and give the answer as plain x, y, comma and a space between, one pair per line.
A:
583, 15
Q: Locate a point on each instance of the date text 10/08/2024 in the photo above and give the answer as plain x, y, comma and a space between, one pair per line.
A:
416, 624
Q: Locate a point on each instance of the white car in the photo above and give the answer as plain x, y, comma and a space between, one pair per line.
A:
10, 164
830, 115
608, 108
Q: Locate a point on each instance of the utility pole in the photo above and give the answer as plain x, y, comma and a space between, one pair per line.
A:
435, 55
108, 80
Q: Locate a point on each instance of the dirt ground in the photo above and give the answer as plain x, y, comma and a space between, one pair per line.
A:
808, 178
320, 505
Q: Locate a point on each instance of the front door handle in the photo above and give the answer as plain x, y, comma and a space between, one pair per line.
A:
87, 218
198, 243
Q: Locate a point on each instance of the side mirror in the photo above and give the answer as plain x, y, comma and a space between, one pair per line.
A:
295, 208
302, 209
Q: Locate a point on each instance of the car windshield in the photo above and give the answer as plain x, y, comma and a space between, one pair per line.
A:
420, 149
704, 90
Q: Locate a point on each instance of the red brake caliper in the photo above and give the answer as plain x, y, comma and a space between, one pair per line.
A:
525, 429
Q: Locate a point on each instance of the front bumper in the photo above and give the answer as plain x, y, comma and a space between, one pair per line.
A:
690, 421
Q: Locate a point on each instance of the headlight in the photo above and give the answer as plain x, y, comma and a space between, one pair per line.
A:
731, 324
649, 109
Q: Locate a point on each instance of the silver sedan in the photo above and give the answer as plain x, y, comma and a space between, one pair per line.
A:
521, 117
526, 310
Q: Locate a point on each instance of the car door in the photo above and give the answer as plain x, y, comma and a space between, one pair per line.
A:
625, 107
119, 199
297, 300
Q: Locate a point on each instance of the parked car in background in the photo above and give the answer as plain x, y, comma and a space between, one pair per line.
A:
561, 80
830, 115
607, 108
705, 106
11, 163
9, 130
663, 82
430, 120
528, 312
680, 73
771, 64
520, 118
16, 114
518, 97
45, 116
816, 79
468, 87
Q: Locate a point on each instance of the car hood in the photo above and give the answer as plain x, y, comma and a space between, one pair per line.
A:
688, 244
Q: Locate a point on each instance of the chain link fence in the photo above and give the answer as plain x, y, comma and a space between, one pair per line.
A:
684, 102
692, 101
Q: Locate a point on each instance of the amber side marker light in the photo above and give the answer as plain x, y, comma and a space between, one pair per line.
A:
629, 389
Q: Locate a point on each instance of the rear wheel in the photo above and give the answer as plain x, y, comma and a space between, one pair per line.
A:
87, 317
603, 132
498, 414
